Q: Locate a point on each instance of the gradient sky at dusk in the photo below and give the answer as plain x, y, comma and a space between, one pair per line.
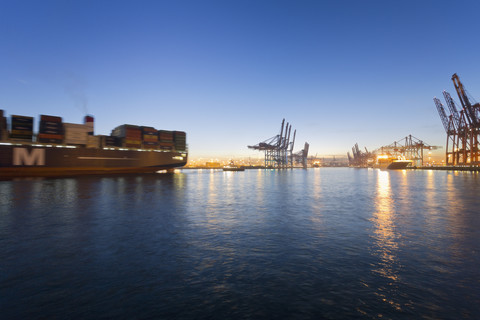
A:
228, 72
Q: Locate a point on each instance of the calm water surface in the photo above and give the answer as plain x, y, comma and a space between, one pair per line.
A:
329, 243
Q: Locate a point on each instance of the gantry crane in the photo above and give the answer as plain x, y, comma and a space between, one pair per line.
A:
409, 148
301, 156
451, 129
279, 149
473, 116
462, 127
359, 158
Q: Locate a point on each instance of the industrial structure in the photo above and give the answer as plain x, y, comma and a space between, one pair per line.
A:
279, 149
328, 161
301, 157
409, 148
462, 127
359, 158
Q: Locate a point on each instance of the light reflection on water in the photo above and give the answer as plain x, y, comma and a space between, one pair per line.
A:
328, 242
386, 241
384, 228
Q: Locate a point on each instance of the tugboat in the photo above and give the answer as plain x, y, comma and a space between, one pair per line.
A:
232, 167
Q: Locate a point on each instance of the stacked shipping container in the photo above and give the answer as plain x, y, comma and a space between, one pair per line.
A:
51, 129
180, 140
165, 139
21, 127
110, 141
131, 135
149, 137
3, 126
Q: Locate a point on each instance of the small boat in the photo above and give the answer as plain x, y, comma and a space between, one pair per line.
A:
232, 167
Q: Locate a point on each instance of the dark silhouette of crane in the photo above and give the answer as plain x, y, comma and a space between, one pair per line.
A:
279, 149
462, 127
472, 111
359, 158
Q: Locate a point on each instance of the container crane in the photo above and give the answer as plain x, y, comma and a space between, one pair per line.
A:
410, 148
451, 128
461, 145
463, 127
279, 149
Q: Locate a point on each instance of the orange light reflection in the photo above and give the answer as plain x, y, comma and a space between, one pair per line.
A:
385, 236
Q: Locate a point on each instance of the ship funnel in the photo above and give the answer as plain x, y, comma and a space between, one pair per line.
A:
88, 121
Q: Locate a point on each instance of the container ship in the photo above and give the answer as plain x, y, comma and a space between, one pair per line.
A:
391, 163
66, 149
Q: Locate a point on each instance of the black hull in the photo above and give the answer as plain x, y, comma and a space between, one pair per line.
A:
399, 165
233, 169
38, 160
394, 165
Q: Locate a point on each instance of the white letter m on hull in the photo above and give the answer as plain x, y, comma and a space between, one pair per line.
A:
21, 156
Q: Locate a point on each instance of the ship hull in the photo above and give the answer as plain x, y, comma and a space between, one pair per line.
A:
394, 165
42, 161
233, 169
399, 164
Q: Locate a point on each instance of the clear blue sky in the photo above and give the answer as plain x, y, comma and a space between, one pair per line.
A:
228, 72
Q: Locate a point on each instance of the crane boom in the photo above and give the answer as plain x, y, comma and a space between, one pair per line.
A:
288, 137
279, 142
462, 95
453, 111
293, 141
442, 114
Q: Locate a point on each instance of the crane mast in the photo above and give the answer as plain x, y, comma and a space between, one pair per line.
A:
471, 111
442, 114
453, 110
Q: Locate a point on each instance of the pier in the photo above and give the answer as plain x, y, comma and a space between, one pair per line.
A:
448, 168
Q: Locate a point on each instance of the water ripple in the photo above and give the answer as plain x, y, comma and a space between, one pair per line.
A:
329, 243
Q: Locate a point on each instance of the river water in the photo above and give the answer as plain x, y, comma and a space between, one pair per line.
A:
330, 243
